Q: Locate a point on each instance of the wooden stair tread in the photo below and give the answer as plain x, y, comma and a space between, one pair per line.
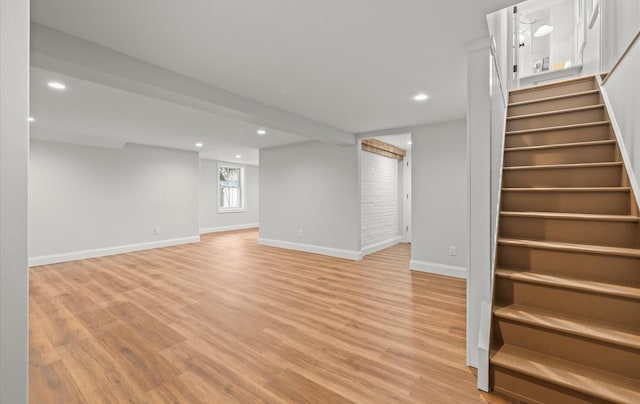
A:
561, 145
555, 97
572, 165
581, 326
555, 112
561, 127
594, 382
569, 189
574, 216
630, 292
570, 247
545, 353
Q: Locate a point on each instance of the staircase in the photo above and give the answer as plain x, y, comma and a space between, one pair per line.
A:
566, 314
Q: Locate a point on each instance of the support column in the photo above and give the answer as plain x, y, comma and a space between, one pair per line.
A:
479, 159
14, 162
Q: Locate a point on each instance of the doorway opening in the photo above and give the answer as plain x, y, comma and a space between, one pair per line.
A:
385, 192
548, 40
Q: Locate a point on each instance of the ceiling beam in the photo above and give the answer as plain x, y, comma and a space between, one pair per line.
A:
66, 54
383, 149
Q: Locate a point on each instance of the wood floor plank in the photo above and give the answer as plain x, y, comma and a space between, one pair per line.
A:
60, 325
146, 325
175, 392
53, 384
99, 374
41, 351
375, 374
137, 356
97, 320
298, 389
227, 320
222, 378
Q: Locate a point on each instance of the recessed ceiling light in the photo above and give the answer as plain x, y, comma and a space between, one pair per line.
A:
199, 144
262, 132
238, 156
31, 119
409, 142
56, 85
420, 97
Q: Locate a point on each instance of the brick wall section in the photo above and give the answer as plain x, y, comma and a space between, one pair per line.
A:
379, 191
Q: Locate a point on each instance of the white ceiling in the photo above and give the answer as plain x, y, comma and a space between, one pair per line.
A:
94, 114
351, 65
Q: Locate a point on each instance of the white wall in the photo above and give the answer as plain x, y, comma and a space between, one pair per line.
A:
14, 146
591, 52
310, 187
622, 90
210, 219
379, 177
498, 26
620, 23
439, 184
563, 38
88, 201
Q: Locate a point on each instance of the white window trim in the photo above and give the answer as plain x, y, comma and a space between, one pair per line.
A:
242, 189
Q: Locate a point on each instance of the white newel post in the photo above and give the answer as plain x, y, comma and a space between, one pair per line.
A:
479, 163
14, 162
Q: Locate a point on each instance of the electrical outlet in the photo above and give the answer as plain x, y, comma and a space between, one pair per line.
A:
300, 233
453, 251
156, 230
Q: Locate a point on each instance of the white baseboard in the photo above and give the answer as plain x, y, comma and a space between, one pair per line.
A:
228, 228
101, 252
381, 245
439, 269
332, 252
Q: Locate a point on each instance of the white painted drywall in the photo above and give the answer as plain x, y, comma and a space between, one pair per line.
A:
14, 165
379, 190
497, 23
591, 52
620, 23
622, 90
310, 187
210, 219
439, 184
85, 198
563, 38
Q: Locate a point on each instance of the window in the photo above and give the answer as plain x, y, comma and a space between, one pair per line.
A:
230, 188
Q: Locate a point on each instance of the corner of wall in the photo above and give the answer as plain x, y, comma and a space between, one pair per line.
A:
314, 249
381, 245
438, 269
219, 229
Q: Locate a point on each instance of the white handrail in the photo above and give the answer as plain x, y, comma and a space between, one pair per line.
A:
498, 114
497, 167
496, 66
620, 95
622, 56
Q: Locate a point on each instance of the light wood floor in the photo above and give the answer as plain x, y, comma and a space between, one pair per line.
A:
227, 320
